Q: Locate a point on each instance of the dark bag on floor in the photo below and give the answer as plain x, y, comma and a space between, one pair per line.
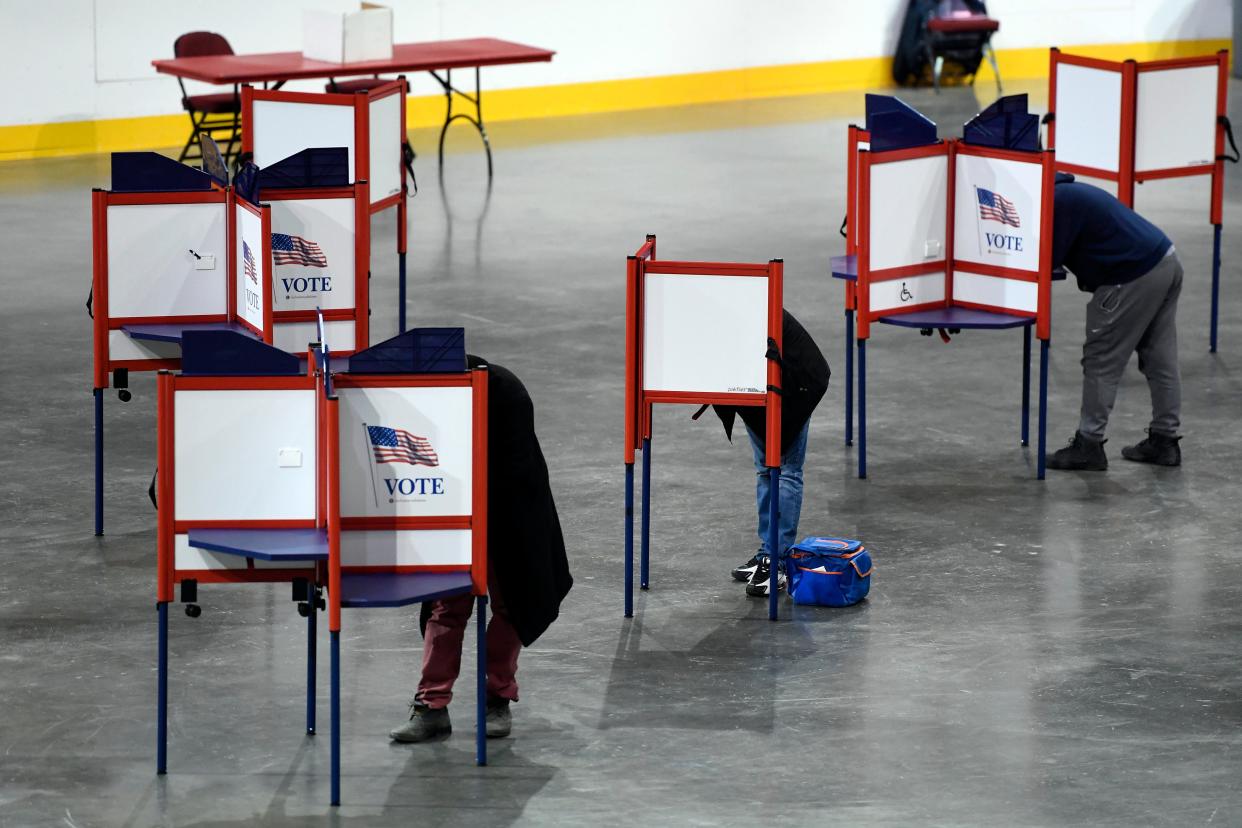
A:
828, 572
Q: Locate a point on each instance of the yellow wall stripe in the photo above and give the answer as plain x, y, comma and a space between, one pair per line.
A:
78, 137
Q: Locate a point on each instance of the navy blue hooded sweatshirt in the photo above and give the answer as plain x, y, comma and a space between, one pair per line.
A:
1099, 239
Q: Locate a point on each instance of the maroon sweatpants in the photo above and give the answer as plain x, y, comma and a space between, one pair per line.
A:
442, 650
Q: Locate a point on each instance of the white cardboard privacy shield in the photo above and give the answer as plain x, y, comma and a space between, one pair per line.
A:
706, 334
909, 200
992, 196
1088, 117
424, 466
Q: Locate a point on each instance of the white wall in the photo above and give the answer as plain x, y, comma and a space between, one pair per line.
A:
69, 60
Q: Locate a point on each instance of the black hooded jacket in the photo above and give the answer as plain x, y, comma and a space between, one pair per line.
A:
804, 381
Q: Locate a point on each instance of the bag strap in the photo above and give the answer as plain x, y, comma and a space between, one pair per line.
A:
1223, 120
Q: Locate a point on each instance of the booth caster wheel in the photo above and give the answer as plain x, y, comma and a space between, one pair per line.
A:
193, 610
124, 396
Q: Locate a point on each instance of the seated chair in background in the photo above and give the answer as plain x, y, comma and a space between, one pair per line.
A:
213, 112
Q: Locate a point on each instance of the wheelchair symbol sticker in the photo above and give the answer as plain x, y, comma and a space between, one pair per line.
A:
906, 295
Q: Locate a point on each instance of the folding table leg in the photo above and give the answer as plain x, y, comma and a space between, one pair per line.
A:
1026, 385
161, 693
862, 409
849, 377
1043, 402
480, 736
629, 540
1215, 286
774, 536
99, 461
335, 708
644, 553
311, 629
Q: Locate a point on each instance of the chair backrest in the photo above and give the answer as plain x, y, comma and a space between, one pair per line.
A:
201, 44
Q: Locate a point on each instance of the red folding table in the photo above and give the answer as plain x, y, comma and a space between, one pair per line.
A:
437, 58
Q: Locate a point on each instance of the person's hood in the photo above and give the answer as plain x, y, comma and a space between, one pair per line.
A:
1064, 178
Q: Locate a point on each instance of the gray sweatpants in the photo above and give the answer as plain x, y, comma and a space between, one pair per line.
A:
1121, 319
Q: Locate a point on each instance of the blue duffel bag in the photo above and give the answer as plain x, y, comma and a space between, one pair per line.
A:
828, 572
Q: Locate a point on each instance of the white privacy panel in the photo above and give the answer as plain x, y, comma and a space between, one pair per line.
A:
295, 336
1176, 118
1011, 294
151, 271
909, 202
406, 452
998, 205
235, 453
895, 294
120, 346
428, 547
386, 132
282, 128
1088, 122
705, 333
249, 251
313, 253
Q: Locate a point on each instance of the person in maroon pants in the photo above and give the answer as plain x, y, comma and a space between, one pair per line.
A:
527, 570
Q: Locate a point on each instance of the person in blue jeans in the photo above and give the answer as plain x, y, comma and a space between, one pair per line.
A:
804, 380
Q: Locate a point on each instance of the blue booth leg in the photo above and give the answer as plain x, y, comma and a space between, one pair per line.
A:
334, 643
862, 409
644, 553
1026, 385
774, 536
98, 461
480, 735
1215, 285
849, 378
311, 628
1043, 403
400, 293
161, 691
629, 540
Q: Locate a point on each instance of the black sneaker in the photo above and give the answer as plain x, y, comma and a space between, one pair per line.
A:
761, 580
743, 572
1082, 454
499, 721
424, 723
1159, 449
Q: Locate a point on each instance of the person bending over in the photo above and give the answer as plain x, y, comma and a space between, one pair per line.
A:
1132, 272
527, 570
804, 380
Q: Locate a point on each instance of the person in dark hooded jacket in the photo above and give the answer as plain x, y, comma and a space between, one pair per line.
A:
528, 571
804, 381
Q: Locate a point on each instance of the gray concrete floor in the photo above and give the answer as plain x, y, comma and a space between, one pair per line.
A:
1053, 653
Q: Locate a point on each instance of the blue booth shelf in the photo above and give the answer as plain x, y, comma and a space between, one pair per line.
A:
845, 267
957, 318
387, 589
264, 544
173, 332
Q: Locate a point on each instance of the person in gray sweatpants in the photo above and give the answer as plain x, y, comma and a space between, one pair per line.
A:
1133, 274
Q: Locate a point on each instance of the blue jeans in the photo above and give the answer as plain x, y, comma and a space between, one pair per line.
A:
790, 503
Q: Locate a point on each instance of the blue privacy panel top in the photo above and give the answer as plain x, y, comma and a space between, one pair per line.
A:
231, 354
1006, 124
417, 351
894, 124
150, 172
313, 167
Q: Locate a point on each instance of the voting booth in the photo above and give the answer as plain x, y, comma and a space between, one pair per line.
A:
367, 489
173, 250
1134, 121
698, 333
948, 236
321, 250
370, 126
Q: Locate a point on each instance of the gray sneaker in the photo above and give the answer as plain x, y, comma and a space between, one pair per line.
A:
499, 721
425, 723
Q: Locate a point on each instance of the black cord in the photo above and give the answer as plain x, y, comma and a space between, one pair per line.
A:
1223, 120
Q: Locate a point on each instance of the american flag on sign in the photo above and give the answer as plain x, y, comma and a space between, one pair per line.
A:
252, 272
395, 445
295, 250
996, 207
